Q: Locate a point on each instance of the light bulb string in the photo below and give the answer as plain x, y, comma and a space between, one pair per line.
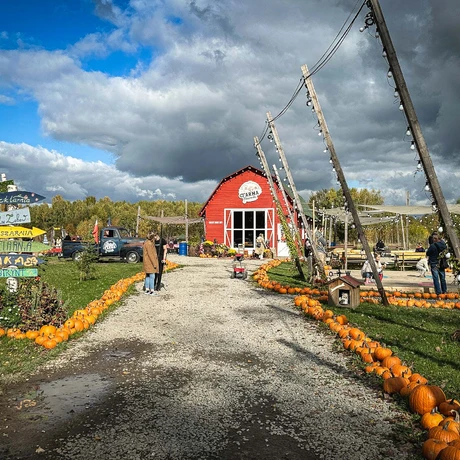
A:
324, 59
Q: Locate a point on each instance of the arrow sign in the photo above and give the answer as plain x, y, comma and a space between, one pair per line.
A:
20, 197
19, 260
20, 232
18, 272
15, 216
22, 246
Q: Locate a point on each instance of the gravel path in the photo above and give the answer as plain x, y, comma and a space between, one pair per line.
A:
213, 368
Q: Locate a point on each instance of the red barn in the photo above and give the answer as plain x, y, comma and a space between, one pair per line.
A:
241, 207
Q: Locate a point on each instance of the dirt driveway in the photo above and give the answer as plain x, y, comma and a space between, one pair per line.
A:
213, 368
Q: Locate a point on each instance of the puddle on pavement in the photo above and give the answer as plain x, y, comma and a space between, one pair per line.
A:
70, 395
117, 354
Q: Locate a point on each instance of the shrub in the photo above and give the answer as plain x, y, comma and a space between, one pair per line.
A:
33, 305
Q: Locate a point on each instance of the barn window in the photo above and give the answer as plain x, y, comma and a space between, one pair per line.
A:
246, 226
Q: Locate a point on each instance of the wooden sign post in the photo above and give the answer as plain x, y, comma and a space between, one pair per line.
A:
20, 197
20, 232
15, 217
19, 260
14, 266
18, 272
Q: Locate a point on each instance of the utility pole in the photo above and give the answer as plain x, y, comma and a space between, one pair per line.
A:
414, 125
349, 204
263, 160
297, 202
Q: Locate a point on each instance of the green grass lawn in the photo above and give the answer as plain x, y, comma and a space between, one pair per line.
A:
20, 357
419, 336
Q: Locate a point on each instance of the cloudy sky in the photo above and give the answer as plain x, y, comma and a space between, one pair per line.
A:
153, 99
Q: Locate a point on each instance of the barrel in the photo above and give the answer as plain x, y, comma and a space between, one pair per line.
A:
183, 247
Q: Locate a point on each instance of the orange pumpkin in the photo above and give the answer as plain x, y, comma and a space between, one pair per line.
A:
381, 353
424, 398
443, 433
390, 361
449, 406
418, 378
432, 447
449, 453
431, 419
394, 384
408, 388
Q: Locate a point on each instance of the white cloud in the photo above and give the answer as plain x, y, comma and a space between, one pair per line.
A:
216, 69
49, 173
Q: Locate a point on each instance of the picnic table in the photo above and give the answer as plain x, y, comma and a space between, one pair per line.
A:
406, 259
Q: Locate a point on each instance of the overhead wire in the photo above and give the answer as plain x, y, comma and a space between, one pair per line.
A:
322, 61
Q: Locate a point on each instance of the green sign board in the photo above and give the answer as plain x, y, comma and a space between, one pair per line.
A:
22, 246
18, 272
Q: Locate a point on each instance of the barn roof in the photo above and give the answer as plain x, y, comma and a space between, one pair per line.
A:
306, 209
350, 280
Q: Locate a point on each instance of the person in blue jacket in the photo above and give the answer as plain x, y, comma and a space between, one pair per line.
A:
439, 274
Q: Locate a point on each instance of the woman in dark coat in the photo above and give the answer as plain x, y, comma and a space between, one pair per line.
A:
150, 264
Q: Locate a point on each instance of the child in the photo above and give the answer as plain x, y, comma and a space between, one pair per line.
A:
366, 270
422, 267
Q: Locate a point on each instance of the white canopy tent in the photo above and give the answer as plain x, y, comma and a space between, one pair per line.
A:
367, 216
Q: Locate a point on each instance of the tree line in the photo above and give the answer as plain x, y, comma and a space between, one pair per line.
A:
78, 217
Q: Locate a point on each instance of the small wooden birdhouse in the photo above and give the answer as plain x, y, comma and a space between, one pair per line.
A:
344, 292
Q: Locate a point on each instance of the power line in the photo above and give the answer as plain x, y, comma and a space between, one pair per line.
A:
323, 60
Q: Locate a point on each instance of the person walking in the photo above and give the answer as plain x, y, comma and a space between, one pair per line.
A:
150, 264
439, 274
161, 248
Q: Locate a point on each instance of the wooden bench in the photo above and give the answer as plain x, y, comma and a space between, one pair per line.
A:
407, 259
354, 257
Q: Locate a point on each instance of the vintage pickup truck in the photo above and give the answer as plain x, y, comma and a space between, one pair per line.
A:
114, 243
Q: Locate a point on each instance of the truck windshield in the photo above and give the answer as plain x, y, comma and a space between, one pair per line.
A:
124, 233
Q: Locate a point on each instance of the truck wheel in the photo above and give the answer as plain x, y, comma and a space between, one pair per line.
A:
76, 256
132, 257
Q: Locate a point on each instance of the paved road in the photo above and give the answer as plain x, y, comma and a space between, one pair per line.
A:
214, 368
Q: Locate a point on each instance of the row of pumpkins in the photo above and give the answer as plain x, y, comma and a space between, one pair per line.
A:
402, 299
439, 415
49, 336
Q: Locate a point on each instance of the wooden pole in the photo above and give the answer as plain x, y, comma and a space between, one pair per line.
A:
297, 202
346, 240
414, 126
407, 219
343, 183
295, 230
186, 222
271, 184
263, 160
313, 216
138, 218
402, 232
